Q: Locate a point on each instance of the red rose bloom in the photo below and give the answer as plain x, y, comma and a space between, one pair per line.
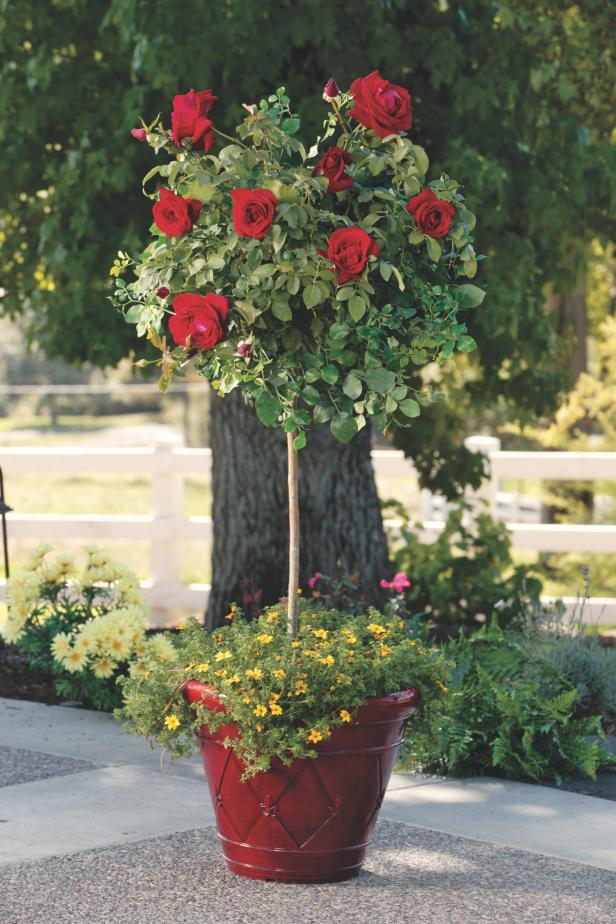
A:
432, 216
139, 133
253, 211
332, 165
175, 215
189, 118
203, 318
349, 249
381, 105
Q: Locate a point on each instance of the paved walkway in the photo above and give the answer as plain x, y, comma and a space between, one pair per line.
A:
92, 829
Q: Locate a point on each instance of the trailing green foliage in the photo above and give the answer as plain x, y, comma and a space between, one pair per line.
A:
284, 694
466, 574
510, 715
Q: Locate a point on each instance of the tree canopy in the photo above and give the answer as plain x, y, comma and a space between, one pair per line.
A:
513, 96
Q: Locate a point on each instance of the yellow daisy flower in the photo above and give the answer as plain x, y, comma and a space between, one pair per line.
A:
279, 672
172, 722
260, 710
223, 656
320, 633
345, 715
275, 709
315, 736
265, 639
255, 673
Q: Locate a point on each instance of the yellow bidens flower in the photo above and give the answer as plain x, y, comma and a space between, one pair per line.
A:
273, 617
279, 672
234, 678
172, 722
315, 736
385, 650
275, 709
230, 615
295, 644
351, 639
376, 629
265, 639
255, 673
345, 715
202, 667
180, 626
328, 659
320, 633
260, 710
223, 656
300, 687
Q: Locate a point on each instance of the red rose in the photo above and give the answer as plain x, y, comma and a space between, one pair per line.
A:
432, 216
189, 118
349, 249
331, 90
332, 165
381, 105
253, 211
163, 292
175, 215
203, 318
139, 133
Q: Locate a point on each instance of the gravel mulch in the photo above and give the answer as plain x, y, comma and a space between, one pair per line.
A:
18, 765
412, 874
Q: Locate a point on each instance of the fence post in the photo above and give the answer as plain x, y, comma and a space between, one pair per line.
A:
488, 489
166, 503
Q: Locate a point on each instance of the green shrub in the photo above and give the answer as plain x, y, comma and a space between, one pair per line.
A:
465, 575
511, 714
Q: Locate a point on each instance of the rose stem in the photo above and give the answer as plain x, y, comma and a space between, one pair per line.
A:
336, 109
293, 535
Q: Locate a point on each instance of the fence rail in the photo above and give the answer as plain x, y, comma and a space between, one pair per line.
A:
165, 527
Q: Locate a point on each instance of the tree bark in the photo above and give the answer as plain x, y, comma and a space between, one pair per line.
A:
341, 526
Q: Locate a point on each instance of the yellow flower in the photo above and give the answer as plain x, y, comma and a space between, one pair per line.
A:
259, 727
278, 657
275, 709
222, 672
255, 673
273, 617
172, 722
351, 639
279, 672
202, 667
265, 639
74, 661
376, 629
309, 653
385, 650
234, 678
104, 667
260, 710
328, 659
230, 615
246, 699
294, 644
315, 736
300, 687
61, 646
223, 656
320, 633
180, 626
442, 687
345, 716
275, 697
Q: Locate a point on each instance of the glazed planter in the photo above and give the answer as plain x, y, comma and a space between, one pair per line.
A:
311, 821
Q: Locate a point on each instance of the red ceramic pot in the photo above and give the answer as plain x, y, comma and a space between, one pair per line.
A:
312, 821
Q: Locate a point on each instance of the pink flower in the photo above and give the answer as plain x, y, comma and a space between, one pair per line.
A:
398, 583
330, 90
312, 581
139, 133
245, 350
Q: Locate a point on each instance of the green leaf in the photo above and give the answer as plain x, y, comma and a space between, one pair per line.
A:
312, 375
434, 249
466, 345
345, 292
312, 296
268, 408
216, 261
380, 380
357, 307
472, 296
246, 309
310, 395
339, 331
352, 386
282, 311
300, 441
410, 407
293, 285
323, 412
399, 278
343, 427
421, 159
385, 270
329, 374
291, 126
133, 315
411, 185
311, 361
415, 237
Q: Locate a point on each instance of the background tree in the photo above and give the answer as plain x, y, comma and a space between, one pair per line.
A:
516, 94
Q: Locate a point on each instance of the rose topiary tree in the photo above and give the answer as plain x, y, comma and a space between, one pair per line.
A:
318, 281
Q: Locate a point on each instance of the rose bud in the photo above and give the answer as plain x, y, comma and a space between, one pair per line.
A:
163, 292
139, 133
331, 90
244, 350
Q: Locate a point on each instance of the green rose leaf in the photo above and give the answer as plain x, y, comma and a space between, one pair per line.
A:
357, 307
293, 285
246, 309
312, 296
300, 441
268, 408
472, 296
466, 344
344, 427
380, 380
410, 407
352, 386
339, 331
281, 311
434, 249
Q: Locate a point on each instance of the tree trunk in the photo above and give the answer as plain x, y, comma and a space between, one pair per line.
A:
341, 526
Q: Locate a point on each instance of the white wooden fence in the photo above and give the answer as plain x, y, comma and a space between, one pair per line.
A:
165, 527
